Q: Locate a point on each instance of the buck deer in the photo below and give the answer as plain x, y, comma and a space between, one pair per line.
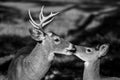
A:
34, 66
92, 56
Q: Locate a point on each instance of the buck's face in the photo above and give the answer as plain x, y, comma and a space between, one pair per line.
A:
90, 54
59, 45
50, 41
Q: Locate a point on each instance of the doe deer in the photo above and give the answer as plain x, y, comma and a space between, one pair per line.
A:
92, 56
34, 66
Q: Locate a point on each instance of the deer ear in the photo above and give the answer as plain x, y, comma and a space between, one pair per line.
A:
36, 34
103, 49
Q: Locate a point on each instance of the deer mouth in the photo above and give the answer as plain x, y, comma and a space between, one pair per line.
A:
71, 51
67, 52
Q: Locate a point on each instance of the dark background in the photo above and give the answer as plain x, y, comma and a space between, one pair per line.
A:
82, 22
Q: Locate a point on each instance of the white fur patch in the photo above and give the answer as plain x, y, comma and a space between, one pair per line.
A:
86, 64
51, 56
70, 47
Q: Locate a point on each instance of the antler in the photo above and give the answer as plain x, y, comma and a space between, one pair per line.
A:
44, 20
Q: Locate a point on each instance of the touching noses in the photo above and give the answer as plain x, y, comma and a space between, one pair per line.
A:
71, 48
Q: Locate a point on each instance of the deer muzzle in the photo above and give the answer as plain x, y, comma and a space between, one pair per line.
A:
70, 50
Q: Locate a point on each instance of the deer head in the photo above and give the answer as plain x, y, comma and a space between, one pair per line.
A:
50, 41
89, 54
37, 31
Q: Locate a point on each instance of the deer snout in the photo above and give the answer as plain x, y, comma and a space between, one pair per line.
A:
71, 49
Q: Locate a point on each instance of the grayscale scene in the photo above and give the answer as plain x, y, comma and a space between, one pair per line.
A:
59, 40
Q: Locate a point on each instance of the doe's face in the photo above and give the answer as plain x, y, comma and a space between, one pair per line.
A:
91, 54
86, 53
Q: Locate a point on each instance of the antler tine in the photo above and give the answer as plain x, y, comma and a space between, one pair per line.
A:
41, 13
32, 21
43, 19
45, 23
33, 24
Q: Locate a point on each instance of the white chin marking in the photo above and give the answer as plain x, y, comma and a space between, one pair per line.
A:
65, 53
86, 64
68, 53
51, 56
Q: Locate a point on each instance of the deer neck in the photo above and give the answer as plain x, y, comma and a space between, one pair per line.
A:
38, 62
91, 70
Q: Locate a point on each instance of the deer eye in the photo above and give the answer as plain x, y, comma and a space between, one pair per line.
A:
89, 50
57, 40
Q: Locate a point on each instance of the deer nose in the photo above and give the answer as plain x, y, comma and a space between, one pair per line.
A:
71, 48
